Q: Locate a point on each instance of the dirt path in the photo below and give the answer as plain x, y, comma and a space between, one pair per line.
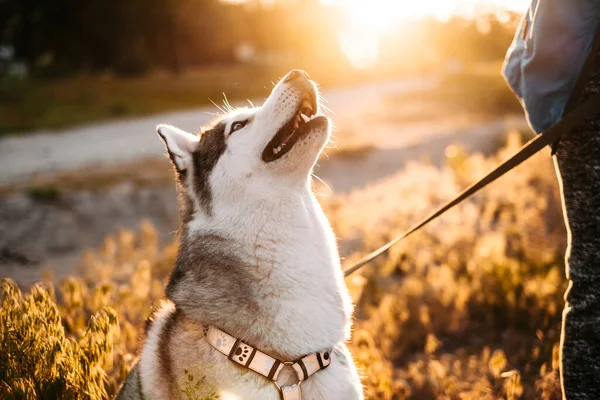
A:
396, 145
45, 152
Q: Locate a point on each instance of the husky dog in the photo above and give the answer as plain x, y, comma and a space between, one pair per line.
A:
257, 258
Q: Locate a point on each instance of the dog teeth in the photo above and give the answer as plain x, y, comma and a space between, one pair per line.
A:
304, 118
277, 150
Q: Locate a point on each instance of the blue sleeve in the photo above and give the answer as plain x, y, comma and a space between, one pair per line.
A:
547, 54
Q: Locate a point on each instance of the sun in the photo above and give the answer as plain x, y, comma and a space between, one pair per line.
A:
367, 20
380, 15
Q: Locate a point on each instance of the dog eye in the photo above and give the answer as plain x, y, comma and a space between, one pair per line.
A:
236, 126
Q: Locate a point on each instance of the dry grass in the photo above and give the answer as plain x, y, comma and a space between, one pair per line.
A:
478, 90
146, 172
27, 105
470, 307
467, 309
40, 357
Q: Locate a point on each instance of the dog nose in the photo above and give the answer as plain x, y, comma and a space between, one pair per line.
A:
296, 74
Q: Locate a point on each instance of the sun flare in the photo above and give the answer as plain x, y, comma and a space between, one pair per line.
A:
367, 20
379, 15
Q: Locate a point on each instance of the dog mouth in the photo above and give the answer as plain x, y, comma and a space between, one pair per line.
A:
302, 123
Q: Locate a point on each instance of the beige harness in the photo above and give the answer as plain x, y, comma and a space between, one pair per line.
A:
265, 365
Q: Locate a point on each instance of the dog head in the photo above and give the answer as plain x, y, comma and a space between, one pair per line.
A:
250, 153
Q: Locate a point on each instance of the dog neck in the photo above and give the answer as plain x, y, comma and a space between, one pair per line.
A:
267, 272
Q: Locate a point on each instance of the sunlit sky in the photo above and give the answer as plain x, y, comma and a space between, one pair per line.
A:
369, 19
379, 15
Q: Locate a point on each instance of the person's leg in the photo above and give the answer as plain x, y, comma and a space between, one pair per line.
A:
578, 166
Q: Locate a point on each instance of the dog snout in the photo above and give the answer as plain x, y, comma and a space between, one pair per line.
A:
299, 80
296, 74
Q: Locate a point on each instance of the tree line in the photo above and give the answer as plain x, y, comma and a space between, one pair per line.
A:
131, 37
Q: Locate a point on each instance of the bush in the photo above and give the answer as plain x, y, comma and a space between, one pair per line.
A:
470, 307
38, 358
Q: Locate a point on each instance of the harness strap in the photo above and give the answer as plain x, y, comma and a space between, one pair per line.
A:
263, 364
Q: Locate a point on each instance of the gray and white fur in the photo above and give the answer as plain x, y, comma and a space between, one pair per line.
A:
257, 258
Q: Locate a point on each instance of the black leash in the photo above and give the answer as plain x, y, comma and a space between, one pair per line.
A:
567, 123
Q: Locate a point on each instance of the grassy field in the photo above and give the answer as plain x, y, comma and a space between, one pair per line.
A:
27, 105
469, 308
479, 90
31, 104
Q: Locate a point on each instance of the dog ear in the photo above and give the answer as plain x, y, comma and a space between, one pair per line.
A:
180, 145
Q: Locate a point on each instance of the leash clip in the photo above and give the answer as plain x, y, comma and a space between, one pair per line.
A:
293, 391
290, 392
